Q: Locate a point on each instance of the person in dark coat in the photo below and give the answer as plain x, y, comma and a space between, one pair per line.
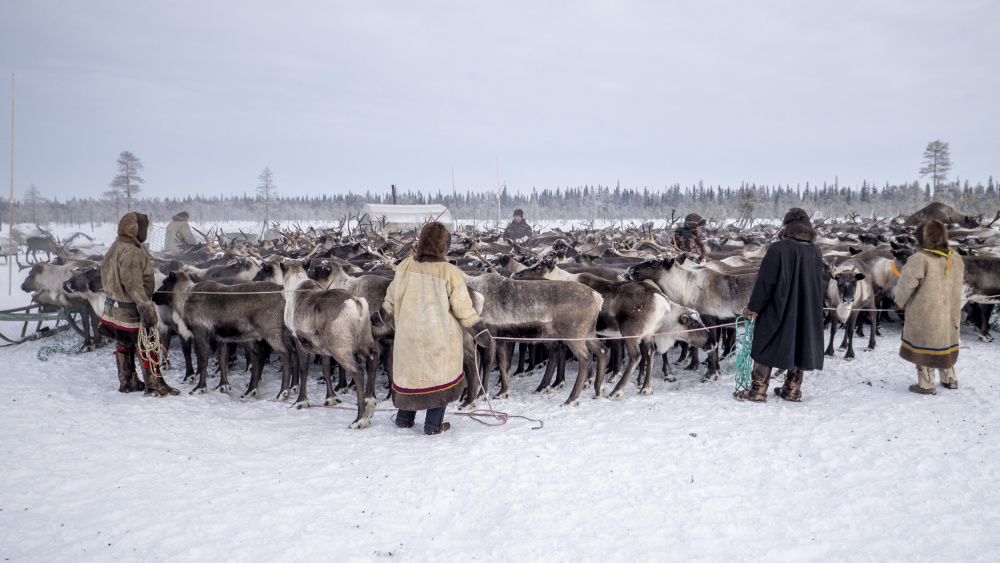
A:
787, 303
517, 229
686, 239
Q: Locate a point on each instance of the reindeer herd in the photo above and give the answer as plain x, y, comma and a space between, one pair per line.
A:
613, 300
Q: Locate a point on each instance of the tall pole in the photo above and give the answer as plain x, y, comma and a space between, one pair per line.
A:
10, 245
498, 190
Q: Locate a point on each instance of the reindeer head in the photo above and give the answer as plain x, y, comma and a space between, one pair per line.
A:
649, 268
847, 284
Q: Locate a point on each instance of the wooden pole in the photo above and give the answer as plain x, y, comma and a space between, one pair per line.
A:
10, 247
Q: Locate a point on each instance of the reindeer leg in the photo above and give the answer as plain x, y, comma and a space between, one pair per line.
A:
256, 362
331, 394
851, 321
543, 386
713, 366
833, 332
189, 373
522, 357
684, 352
646, 347
362, 421
695, 360
223, 386
668, 374
583, 356
303, 401
503, 362
986, 311
632, 346
873, 332
201, 343
342, 384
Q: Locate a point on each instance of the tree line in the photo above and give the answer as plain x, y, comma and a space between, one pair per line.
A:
581, 203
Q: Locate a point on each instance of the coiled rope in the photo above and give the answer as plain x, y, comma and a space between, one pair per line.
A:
741, 363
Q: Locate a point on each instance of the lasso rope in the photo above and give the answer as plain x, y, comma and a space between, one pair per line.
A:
741, 363
150, 349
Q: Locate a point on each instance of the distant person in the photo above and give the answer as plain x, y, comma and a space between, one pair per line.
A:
787, 303
686, 239
178, 231
929, 290
517, 229
432, 309
127, 276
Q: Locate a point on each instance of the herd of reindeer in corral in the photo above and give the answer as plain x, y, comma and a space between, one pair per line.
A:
613, 299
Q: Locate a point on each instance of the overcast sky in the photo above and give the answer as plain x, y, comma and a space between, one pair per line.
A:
338, 96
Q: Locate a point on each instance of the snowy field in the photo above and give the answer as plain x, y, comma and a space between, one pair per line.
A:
861, 469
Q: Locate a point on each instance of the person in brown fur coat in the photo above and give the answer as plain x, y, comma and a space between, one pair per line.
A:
127, 277
431, 307
929, 290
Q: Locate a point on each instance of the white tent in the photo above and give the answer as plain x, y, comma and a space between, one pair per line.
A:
403, 217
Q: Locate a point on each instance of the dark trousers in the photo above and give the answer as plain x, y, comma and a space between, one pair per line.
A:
432, 421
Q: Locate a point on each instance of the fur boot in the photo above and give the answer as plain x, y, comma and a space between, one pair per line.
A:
133, 376
155, 385
925, 381
949, 379
760, 378
791, 390
121, 359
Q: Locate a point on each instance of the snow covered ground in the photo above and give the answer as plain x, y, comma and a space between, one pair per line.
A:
860, 470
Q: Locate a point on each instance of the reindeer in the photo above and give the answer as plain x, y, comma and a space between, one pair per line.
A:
944, 213
718, 297
41, 244
330, 274
849, 289
85, 295
334, 323
555, 310
244, 313
630, 309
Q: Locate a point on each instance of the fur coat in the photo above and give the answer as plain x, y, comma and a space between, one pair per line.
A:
431, 304
929, 291
127, 276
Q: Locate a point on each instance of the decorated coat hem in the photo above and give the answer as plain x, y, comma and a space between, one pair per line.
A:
428, 398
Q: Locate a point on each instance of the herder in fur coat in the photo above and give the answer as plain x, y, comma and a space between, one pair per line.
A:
930, 291
686, 239
431, 305
178, 231
127, 276
787, 303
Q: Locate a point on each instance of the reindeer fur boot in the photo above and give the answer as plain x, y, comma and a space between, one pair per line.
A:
791, 390
760, 378
155, 385
133, 376
121, 359
128, 379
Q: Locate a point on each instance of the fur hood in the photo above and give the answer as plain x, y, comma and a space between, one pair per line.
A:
133, 228
796, 225
182, 216
933, 235
433, 243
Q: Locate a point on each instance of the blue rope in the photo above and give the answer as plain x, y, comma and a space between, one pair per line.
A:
742, 364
